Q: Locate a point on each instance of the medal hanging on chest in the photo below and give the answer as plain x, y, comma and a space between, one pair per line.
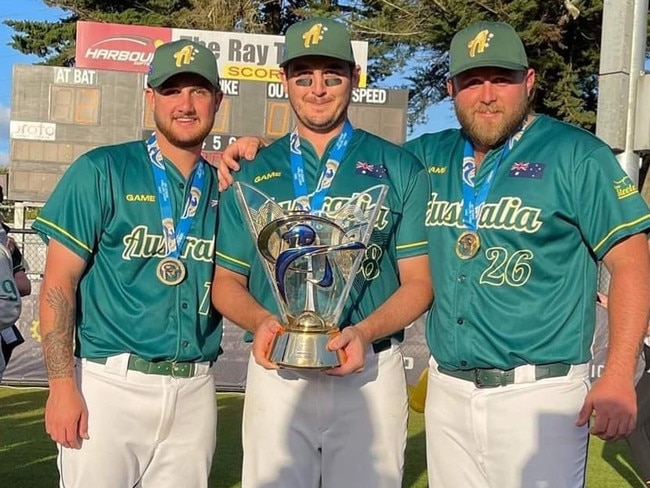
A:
467, 245
170, 270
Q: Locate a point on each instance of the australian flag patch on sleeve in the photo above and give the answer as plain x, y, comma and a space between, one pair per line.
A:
527, 170
374, 170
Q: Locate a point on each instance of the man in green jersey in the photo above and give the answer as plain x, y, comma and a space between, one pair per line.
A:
522, 209
347, 428
129, 333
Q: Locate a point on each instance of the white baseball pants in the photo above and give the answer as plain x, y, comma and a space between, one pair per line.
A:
516, 436
146, 430
309, 430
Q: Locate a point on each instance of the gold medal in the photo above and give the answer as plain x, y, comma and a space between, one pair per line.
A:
467, 245
171, 271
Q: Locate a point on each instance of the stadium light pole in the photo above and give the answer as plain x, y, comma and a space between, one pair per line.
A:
622, 56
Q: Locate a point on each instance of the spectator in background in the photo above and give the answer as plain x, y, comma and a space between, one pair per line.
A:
18, 261
11, 337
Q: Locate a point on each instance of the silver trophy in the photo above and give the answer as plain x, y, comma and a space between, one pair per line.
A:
310, 261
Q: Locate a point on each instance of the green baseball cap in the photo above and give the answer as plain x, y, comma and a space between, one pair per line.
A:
486, 44
317, 37
182, 56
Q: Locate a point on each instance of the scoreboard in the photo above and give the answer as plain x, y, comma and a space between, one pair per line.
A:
60, 113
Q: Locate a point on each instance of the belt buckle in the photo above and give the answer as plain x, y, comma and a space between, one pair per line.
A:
477, 380
182, 367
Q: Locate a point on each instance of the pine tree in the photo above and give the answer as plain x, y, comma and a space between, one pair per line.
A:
562, 38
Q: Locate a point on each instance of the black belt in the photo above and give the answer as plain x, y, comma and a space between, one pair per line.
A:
493, 377
381, 345
168, 368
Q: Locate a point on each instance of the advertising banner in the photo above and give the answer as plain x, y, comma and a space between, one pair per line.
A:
118, 47
35, 131
240, 56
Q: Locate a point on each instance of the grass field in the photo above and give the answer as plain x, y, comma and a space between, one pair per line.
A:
27, 456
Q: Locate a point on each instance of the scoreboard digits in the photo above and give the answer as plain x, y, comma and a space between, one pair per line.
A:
74, 105
278, 119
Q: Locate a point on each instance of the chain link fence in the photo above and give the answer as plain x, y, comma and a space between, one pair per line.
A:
19, 218
33, 249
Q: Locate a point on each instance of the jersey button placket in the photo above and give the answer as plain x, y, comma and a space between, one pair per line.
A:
184, 343
461, 308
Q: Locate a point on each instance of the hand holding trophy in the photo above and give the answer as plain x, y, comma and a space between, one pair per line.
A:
310, 261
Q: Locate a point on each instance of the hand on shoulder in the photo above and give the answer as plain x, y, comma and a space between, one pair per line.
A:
245, 147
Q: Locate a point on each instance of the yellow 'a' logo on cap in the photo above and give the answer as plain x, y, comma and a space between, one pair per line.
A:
314, 35
184, 56
480, 42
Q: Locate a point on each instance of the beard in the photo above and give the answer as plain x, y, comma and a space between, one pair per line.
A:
182, 140
487, 133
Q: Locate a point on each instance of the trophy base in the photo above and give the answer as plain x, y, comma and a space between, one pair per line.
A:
304, 350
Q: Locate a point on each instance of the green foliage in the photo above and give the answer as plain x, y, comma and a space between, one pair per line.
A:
562, 48
55, 41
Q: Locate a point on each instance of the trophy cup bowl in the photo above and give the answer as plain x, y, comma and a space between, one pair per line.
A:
310, 260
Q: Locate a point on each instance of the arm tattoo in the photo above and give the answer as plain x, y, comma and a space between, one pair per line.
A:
57, 343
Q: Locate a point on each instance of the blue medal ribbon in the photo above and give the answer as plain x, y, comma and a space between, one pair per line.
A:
334, 158
174, 236
474, 199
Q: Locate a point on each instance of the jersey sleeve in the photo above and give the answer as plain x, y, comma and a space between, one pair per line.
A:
608, 204
75, 212
411, 232
416, 147
235, 246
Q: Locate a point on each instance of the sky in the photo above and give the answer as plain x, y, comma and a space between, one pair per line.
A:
23, 10
440, 117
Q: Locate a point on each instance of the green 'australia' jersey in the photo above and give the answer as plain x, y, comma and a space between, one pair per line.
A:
558, 203
105, 209
369, 161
